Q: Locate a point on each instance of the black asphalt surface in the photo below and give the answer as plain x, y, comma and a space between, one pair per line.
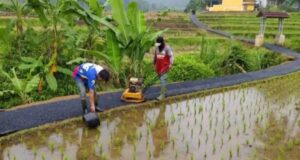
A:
36, 115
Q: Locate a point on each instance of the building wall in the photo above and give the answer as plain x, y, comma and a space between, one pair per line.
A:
233, 5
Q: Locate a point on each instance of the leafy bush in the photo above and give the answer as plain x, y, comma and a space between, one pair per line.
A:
213, 53
271, 59
185, 67
189, 67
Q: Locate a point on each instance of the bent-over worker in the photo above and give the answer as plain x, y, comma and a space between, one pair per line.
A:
86, 76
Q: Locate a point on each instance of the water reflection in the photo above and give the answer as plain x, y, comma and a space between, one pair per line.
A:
159, 132
278, 142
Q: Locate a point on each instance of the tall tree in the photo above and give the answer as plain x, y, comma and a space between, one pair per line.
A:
196, 5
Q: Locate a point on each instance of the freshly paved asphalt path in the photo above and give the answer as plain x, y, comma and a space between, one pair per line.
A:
39, 114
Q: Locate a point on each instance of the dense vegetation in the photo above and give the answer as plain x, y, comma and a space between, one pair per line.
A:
44, 41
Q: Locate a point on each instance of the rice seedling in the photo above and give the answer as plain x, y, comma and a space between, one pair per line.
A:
244, 127
100, 146
199, 142
34, 150
149, 154
187, 147
62, 150
229, 137
66, 158
134, 156
214, 149
290, 144
118, 142
192, 157
134, 147
162, 145
173, 118
52, 146
222, 158
237, 132
43, 156
103, 156
200, 109
206, 137
200, 130
141, 135
238, 150
222, 142
230, 153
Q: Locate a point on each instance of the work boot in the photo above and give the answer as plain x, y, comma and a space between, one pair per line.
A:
162, 95
98, 109
84, 106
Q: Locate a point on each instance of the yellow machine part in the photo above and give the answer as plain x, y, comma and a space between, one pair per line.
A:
136, 97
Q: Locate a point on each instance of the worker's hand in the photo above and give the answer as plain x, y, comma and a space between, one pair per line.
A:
93, 108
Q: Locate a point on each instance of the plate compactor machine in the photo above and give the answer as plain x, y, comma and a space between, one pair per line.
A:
136, 89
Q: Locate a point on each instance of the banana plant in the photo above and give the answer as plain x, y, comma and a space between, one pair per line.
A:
131, 33
53, 16
37, 66
20, 9
93, 16
22, 87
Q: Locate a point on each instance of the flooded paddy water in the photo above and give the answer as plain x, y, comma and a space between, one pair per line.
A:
249, 121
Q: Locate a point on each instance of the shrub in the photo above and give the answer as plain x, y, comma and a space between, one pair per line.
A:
189, 67
271, 59
185, 67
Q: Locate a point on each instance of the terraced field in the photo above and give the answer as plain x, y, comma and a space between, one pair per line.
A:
247, 25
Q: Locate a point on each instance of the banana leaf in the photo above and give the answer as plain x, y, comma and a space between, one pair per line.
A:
119, 15
114, 52
65, 71
96, 7
51, 81
136, 18
16, 82
32, 84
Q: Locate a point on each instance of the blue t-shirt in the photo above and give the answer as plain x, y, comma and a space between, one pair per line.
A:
89, 72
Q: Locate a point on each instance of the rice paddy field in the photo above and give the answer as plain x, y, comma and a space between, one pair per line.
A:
254, 121
247, 25
260, 120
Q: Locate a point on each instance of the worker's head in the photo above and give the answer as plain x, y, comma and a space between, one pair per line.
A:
160, 43
103, 75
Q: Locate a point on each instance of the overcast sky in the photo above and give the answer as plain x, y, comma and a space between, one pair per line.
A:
178, 4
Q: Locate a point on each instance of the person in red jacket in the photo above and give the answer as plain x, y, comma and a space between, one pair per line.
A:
163, 61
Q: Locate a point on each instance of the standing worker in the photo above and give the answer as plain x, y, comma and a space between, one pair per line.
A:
163, 61
86, 76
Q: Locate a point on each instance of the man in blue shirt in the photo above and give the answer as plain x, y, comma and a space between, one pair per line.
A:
86, 76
